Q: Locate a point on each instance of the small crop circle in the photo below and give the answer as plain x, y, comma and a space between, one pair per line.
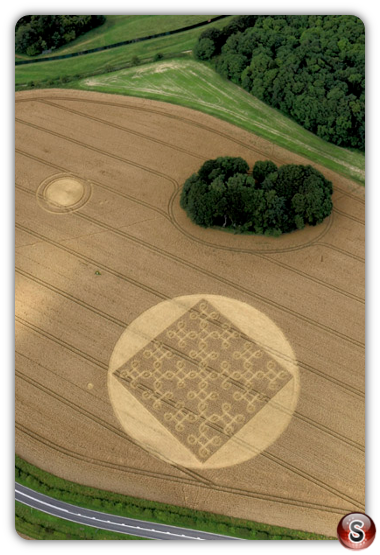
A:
63, 193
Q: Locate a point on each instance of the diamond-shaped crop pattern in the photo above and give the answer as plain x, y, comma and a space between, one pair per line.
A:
203, 379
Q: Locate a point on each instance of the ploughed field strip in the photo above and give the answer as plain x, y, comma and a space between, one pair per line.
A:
152, 354
203, 407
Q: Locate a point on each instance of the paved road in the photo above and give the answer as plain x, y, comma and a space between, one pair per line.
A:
96, 519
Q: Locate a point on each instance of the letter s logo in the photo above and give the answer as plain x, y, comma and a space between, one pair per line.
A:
356, 535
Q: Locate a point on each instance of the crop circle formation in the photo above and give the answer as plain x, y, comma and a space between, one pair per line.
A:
63, 193
83, 285
203, 381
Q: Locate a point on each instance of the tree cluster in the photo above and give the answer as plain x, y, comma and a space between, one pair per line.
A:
38, 33
311, 68
271, 201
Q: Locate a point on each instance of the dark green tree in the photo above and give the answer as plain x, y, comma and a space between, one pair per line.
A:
273, 201
205, 49
311, 68
36, 33
262, 169
209, 44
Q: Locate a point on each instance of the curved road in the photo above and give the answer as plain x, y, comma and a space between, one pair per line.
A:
113, 523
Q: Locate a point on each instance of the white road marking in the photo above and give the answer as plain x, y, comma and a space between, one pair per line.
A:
105, 521
114, 523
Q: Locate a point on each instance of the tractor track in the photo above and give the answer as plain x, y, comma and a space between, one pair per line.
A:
273, 458
219, 278
187, 477
163, 296
192, 238
189, 121
209, 368
347, 387
200, 481
224, 489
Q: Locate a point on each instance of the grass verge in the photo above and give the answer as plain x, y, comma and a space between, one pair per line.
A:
41, 526
91, 498
195, 85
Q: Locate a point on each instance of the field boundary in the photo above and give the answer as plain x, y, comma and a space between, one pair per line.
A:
122, 43
135, 188
91, 498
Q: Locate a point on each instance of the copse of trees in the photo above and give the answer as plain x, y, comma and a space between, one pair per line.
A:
271, 201
211, 40
312, 68
37, 33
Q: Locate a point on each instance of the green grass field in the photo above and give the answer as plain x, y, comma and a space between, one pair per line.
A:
118, 28
116, 57
196, 85
180, 81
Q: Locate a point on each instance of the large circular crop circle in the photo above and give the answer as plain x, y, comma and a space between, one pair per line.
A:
203, 381
63, 193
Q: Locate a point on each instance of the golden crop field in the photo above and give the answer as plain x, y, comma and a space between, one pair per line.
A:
161, 360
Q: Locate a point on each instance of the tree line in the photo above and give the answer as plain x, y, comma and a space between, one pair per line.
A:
271, 201
39, 33
311, 68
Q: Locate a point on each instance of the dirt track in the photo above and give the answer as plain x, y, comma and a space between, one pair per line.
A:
83, 276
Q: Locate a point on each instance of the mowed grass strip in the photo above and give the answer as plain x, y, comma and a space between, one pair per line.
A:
196, 85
